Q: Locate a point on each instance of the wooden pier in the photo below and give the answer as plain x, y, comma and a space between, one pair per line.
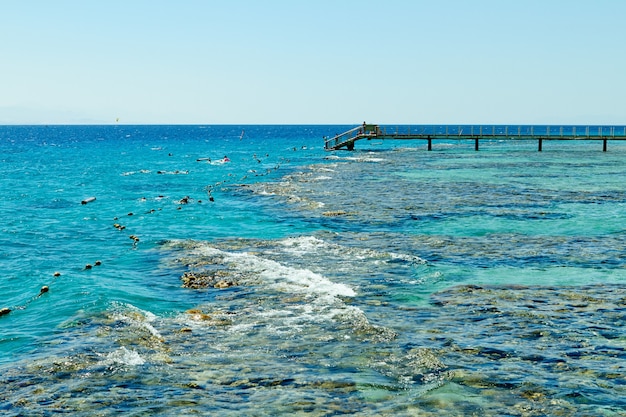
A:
346, 140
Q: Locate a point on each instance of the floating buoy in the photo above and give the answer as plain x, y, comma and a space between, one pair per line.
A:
4, 311
57, 274
98, 263
44, 289
88, 266
88, 200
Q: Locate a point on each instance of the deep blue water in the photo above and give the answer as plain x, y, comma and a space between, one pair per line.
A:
289, 280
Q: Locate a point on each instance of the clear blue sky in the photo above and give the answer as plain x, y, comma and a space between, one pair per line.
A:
317, 61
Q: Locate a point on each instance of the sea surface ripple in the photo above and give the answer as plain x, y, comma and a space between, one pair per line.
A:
286, 280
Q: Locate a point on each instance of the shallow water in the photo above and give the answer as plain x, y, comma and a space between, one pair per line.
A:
388, 281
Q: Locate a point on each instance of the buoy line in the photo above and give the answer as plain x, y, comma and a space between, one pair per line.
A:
43, 290
185, 200
6, 310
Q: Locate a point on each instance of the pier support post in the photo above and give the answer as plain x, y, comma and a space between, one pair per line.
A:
604, 146
476, 144
430, 144
540, 142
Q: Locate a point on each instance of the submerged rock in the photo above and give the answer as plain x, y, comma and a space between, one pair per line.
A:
334, 213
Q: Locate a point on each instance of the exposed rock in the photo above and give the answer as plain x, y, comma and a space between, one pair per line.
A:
215, 279
224, 284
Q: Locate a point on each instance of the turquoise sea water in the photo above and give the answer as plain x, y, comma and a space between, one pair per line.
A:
293, 281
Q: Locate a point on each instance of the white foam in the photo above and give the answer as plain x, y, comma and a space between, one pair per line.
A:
408, 258
138, 318
281, 277
265, 192
364, 159
295, 319
302, 245
123, 356
317, 303
311, 245
141, 171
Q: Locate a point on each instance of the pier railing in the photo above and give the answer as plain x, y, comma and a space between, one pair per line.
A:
476, 132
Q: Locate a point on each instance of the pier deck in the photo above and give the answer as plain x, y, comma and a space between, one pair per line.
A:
346, 140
